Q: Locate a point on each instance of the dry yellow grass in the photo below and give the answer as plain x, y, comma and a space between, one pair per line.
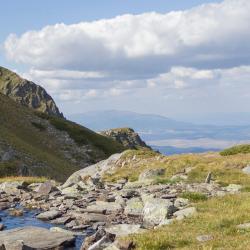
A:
225, 169
217, 217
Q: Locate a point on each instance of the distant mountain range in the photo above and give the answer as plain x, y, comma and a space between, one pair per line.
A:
159, 131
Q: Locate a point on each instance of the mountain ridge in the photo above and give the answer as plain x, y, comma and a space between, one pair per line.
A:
27, 93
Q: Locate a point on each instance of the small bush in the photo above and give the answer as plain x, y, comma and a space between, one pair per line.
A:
240, 149
193, 196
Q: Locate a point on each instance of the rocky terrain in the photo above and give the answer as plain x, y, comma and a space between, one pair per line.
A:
127, 137
34, 143
27, 93
114, 212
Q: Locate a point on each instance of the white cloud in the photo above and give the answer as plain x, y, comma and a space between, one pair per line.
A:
206, 34
193, 54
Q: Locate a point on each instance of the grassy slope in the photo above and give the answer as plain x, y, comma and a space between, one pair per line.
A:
217, 217
17, 129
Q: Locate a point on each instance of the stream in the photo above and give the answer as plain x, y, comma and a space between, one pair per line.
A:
29, 219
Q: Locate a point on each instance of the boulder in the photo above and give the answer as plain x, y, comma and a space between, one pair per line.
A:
186, 212
121, 230
94, 171
233, 188
103, 206
134, 207
157, 210
246, 169
49, 215
36, 238
44, 188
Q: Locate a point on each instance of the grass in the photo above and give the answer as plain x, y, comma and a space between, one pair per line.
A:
40, 150
84, 136
27, 179
194, 196
239, 149
225, 170
217, 217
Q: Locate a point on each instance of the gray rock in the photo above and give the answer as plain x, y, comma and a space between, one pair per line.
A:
204, 238
49, 215
36, 238
151, 174
156, 210
246, 169
44, 188
243, 226
134, 207
184, 213
121, 230
93, 171
181, 202
233, 188
108, 207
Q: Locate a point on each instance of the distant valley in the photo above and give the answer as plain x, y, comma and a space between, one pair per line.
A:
167, 135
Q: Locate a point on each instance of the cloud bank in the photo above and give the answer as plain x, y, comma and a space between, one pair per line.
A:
180, 52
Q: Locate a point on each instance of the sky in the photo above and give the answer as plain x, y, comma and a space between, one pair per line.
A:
162, 57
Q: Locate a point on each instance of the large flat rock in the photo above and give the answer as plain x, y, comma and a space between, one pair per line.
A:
36, 238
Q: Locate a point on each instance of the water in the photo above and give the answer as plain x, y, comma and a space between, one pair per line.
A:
29, 219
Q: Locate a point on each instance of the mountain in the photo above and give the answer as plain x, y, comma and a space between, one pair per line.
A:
158, 131
27, 93
36, 143
126, 136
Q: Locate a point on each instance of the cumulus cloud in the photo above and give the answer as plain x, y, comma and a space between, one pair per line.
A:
181, 54
208, 34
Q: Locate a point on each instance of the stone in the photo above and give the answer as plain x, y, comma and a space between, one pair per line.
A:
61, 230
4, 205
124, 244
134, 207
208, 178
36, 238
233, 188
204, 238
151, 174
15, 212
44, 188
121, 230
181, 202
89, 217
49, 215
129, 193
61, 220
156, 210
243, 226
246, 169
1, 226
184, 213
108, 207
93, 171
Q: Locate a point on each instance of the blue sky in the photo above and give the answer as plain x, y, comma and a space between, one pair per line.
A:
187, 57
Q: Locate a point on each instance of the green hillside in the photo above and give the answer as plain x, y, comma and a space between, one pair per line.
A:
38, 144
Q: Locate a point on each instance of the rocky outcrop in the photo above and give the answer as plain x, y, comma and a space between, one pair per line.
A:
27, 93
127, 137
